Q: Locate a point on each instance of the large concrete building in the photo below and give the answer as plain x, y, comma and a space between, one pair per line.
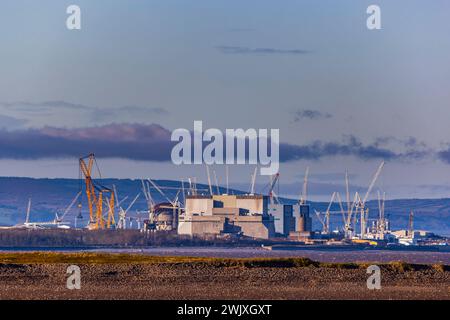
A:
219, 214
291, 219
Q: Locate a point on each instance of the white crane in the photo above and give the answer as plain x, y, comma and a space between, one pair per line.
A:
252, 186
341, 207
326, 223
273, 180
305, 185
226, 175
361, 203
216, 182
382, 224
209, 180
121, 224
61, 219
27, 218
348, 228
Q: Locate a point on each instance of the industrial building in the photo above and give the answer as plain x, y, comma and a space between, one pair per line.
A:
291, 219
219, 214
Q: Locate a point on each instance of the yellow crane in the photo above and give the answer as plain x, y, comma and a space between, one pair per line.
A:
96, 194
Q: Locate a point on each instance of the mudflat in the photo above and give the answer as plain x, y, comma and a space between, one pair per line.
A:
135, 277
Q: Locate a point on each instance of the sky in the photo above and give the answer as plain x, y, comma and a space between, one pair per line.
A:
344, 97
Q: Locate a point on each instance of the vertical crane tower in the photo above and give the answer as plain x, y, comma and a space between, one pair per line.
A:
95, 194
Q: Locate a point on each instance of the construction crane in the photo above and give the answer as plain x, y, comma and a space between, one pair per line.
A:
121, 223
60, 219
349, 228
382, 224
209, 180
172, 204
273, 180
326, 223
411, 224
96, 193
150, 202
216, 182
226, 176
56, 222
341, 207
361, 203
305, 185
252, 186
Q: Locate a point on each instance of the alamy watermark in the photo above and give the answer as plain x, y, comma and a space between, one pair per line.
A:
374, 20
236, 146
374, 280
73, 21
74, 279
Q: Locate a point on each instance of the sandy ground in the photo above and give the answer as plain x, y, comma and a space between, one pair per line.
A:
185, 281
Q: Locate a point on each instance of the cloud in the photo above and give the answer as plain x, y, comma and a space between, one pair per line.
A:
152, 143
444, 155
351, 146
130, 141
260, 51
310, 114
43, 106
7, 122
69, 114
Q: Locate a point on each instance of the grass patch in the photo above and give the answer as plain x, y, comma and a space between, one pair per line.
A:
401, 266
115, 258
440, 267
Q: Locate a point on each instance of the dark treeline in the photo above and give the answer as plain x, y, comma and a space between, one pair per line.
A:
73, 238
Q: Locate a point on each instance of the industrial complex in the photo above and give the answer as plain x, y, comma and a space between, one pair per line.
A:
216, 213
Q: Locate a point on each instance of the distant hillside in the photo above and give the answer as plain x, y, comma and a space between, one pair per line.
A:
50, 195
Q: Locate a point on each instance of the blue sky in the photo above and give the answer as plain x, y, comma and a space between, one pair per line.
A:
310, 68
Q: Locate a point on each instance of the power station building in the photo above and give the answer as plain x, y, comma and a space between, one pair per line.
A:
291, 218
219, 214
249, 215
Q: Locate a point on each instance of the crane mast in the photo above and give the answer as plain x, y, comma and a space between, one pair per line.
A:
361, 205
95, 195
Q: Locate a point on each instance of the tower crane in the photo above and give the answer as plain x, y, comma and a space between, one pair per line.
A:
121, 224
348, 227
59, 219
252, 186
382, 224
411, 224
95, 193
305, 185
326, 223
273, 180
361, 203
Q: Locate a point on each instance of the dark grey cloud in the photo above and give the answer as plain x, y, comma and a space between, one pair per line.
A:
260, 51
409, 142
310, 114
444, 155
129, 141
351, 146
152, 142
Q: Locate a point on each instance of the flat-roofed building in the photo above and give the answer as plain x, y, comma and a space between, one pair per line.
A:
217, 214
